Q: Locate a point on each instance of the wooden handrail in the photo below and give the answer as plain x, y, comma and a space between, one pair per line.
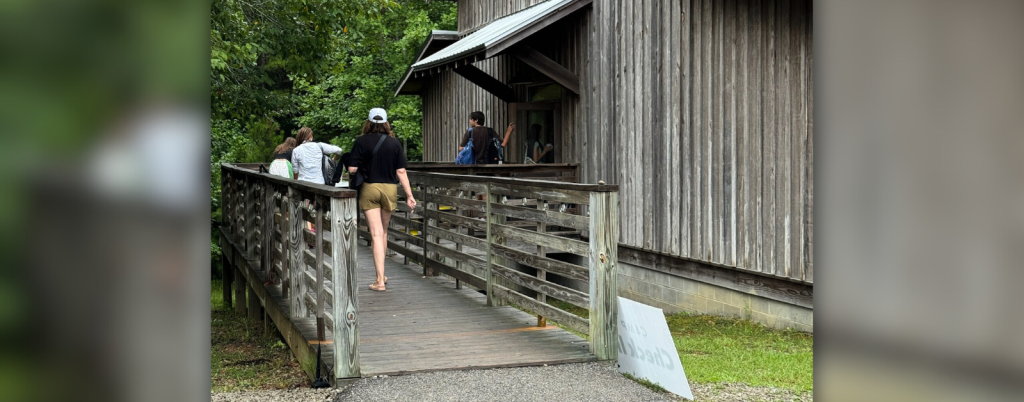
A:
563, 172
522, 182
593, 216
321, 189
267, 215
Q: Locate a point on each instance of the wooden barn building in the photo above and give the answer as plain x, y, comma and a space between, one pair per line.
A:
701, 111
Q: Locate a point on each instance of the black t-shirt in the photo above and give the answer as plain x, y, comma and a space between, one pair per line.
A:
481, 138
390, 157
284, 155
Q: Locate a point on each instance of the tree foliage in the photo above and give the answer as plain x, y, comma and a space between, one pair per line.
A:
278, 65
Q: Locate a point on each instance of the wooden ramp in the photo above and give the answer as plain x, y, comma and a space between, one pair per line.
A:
426, 324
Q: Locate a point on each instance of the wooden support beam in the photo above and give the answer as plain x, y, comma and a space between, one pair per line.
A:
254, 304
548, 67
346, 305
239, 291
488, 83
228, 272
780, 289
604, 304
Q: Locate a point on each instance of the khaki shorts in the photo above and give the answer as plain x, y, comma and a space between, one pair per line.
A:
378, 195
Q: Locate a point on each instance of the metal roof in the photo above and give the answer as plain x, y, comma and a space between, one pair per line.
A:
494, 33
437, 41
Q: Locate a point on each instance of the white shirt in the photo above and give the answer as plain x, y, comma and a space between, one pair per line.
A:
307, 160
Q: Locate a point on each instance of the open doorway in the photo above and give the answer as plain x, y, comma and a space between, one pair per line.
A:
538, 127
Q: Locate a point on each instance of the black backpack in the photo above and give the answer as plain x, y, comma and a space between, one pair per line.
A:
492, 149
328, 168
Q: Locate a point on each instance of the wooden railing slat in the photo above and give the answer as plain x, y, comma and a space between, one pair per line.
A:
477, 182
468, 278
574, 322
455, 219
310, 238
548, 217
571, 271
458, 238
561, 243
472, 261
461, 203
309, 258
560, 292
559, 195
402, 236
405, 222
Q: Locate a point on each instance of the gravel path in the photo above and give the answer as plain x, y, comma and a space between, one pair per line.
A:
568, 382
745, 393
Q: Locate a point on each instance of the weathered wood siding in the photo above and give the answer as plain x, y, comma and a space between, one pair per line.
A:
701, 110
474, 14
449, 98
710, 109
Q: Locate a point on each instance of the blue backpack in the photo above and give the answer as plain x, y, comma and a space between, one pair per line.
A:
465, 156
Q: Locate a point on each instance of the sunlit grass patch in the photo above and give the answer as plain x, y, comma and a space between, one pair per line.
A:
730, 350
716, 349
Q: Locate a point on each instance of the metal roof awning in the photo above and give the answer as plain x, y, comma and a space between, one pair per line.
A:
493, 39
437, 41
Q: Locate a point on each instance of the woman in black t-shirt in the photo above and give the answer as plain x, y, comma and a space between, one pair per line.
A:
378, 195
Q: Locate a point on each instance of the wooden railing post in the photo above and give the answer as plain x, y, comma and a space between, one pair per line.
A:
249, 217
296, 263
286, 280
604, 237
227, 272
268, 229
492, 259
343, 258
318, 293
254, 304
541, 274
427, 238
240, 301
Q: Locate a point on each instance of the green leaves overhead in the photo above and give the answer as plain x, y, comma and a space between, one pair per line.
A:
319, 63
278, 65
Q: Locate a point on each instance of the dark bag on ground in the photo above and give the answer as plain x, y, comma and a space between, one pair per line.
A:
357, 179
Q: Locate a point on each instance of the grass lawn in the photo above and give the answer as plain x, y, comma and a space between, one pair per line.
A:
728, 350
243, 357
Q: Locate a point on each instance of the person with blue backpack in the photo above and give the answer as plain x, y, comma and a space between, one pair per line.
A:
481, 144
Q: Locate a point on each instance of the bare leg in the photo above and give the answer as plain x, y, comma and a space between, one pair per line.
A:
309, 225
380, 242
385, 219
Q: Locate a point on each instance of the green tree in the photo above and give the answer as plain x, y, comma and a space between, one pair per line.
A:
276, 66
375, 55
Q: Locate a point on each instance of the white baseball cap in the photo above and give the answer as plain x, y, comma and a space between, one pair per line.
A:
378, 112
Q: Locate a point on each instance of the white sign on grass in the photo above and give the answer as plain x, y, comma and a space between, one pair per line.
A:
646, 349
